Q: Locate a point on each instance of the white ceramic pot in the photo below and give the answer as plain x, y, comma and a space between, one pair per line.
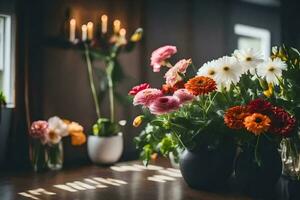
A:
105, 150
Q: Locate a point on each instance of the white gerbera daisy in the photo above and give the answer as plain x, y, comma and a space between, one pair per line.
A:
228, 71
271, 70
209, 69
249, 59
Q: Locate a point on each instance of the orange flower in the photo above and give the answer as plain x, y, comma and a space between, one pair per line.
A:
167, 89
257, 123
78, 138
200, 85
234, 117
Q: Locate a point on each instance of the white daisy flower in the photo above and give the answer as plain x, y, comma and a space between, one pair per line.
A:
249, 59
228, 71
58, 126
271, 70
209, 69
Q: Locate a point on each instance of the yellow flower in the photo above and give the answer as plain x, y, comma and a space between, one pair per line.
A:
78, 138
137, 36
137, 121
269, 91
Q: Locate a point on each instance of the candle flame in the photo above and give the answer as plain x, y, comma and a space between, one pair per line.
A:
123, 32
73, 21
117, 22
104, 18
84, 27
90, 24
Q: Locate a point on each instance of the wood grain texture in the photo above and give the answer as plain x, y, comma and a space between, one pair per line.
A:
138, 185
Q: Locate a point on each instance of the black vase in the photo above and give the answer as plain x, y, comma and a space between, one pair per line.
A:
208, 168
258, 180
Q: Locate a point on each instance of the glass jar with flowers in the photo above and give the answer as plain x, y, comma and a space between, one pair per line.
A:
49, 150
105, 144
39, 133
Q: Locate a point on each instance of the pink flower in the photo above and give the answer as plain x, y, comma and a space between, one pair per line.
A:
173, 75
160, 55
163, 105
146, 96
183, 95
138, 88
39, 129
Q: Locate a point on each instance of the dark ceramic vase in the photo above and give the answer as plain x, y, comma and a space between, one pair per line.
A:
258, 181
208, 168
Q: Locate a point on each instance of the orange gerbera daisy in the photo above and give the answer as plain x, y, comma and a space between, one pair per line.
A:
200, 85
77, 138
234, 117
257, 123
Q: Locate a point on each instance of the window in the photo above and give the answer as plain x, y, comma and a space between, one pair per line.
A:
253, 37
6, 59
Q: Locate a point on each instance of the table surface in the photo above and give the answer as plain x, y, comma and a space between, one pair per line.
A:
123, 181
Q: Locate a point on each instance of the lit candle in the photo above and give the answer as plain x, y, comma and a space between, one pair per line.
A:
72, 30
117, 25
104, 19
84, 32
90, 30
123, 32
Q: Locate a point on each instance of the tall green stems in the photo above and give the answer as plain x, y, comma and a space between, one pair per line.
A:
109, 71
91, 79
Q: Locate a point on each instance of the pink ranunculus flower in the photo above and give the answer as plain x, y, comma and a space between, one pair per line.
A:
39, 129
183, 95
173, 74
164, 105
159, 56
138, 88
147, 96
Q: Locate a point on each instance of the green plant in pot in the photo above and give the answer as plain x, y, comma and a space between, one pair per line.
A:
105, 144
2, 103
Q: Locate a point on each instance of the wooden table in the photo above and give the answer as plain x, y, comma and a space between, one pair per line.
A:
124, 181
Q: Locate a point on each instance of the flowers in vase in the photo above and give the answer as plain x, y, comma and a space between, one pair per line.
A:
47, 135
241, 92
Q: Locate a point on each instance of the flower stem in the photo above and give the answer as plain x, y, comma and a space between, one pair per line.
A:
109, 72
91, 79
256, 152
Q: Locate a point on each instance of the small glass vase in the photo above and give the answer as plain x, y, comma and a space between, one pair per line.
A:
290, 155
38, 155
55, 155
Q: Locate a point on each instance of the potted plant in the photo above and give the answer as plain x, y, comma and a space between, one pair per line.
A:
105, 144
46, 151
2, 103
240, 103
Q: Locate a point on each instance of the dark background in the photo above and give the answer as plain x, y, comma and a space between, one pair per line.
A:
57, 76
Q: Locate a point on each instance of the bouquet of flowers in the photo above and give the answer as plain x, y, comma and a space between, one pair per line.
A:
47, 136
243, 98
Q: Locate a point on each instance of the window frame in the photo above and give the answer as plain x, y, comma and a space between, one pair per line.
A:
9, 59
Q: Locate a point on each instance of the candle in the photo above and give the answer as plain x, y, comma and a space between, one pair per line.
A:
104, 24
117, 25
72, 30
123, 32
84, 32
90, 30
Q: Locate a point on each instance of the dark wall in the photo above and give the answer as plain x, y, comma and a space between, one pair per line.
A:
202, 30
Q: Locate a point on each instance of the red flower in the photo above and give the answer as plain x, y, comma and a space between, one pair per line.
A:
138, 88
282, 122
260, 106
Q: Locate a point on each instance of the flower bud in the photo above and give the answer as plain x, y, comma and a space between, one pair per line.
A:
137, 121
